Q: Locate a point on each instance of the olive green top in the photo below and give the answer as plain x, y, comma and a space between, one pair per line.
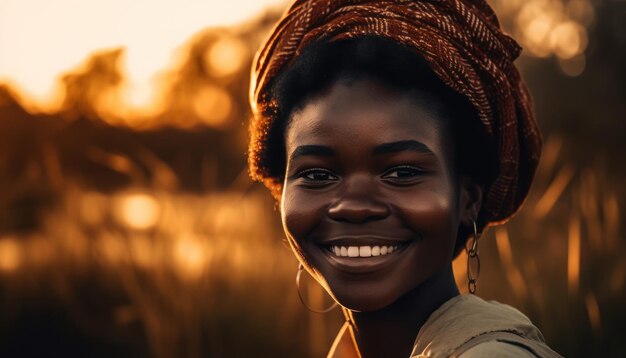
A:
467, 326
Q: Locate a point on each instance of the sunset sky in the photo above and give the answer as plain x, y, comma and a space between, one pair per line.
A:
40, 40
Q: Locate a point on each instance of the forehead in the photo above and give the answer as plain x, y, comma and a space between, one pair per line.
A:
365, 113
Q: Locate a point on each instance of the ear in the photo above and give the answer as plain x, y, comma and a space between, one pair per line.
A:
470, 200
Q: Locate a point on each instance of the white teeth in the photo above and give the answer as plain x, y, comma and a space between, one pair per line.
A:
353, 251
363, 251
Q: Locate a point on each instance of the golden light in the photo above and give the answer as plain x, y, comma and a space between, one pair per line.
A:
537, 32
573, 255
116, 162
213, 105
554, 191
140, 98
568, 39
137, 211
42, 39
10, 254
506, 257
593, 311
92, 208
611, 218
226, 57
506, 7
459, 267
548, 27
536, 20
589, 208
111, 249
574, 66
530, 10
191, 257
142, 251
549, 155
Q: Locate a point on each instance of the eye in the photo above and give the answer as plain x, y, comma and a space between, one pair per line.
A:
317, 176
405, 173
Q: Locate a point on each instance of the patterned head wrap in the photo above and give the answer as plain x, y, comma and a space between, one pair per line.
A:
462, 42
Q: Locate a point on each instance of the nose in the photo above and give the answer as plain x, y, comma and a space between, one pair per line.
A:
357, 203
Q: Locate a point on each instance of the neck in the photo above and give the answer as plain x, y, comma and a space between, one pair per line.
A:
391, 331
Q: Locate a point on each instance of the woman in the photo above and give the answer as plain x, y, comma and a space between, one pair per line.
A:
391, 132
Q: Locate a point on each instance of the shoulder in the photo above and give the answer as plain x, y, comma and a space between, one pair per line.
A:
468, 318
503, 344
496, 349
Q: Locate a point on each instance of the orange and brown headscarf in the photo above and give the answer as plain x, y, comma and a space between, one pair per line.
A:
462, 42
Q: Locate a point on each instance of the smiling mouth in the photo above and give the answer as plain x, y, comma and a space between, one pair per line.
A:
363, 259
363, 254
363, 251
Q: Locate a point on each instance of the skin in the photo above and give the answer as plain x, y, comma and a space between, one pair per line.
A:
369, 165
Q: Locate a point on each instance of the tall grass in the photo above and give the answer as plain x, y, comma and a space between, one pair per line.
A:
167, 273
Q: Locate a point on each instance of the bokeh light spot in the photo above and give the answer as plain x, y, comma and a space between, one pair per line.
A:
139, 95
138, 211
568, 39
10, 255
537, 32
226, 57
574, 66
190, 256
213, 105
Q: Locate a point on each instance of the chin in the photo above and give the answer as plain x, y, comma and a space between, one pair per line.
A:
363, 299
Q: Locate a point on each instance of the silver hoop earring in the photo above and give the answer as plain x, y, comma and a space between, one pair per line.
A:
300, 269
472, 254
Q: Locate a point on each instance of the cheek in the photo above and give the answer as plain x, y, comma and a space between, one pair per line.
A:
432, 215
299, 214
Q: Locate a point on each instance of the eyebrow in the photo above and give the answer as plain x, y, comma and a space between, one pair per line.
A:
399, 146
312, 150
385, 148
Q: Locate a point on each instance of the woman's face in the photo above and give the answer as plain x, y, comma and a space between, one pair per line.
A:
369, 203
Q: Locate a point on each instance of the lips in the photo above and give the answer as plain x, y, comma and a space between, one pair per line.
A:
362, 240
362, 254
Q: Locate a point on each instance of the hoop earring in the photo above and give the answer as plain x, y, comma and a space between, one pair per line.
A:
472, 254
300, 269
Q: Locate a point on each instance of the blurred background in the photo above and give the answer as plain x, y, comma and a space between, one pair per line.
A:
129, 226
